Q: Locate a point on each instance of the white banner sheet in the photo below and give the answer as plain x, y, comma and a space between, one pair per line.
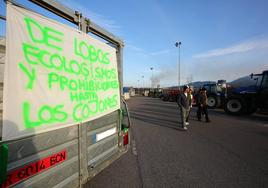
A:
55, 76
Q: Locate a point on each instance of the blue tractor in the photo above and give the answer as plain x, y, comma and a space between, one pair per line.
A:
216, 93
247, 94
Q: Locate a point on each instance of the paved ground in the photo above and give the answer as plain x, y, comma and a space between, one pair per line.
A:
228, 152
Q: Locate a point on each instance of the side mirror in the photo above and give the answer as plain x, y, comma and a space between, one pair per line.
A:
251, 75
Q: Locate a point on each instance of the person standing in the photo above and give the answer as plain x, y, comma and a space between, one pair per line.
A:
183, 104
190, 100
202, 103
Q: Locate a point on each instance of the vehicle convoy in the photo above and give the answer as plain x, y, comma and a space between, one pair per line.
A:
63, 119
247, 94
170, 94
155, 92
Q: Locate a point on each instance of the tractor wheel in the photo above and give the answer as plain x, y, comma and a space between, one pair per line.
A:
212, 102
235, 106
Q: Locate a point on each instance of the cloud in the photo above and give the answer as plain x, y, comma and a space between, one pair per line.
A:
245, 46
161, 52
143, 52
229, 67
101, 20
134, 48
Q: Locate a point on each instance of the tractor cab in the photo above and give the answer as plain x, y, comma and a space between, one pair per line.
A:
263, 91
215, 93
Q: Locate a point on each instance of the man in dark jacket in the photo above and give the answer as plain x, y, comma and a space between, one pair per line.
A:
202, 103
183, 106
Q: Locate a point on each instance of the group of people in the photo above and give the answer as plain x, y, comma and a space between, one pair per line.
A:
185, 100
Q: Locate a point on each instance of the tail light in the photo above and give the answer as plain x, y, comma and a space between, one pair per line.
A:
125, 137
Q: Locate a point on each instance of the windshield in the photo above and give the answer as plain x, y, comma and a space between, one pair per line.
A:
219, 89
265, 81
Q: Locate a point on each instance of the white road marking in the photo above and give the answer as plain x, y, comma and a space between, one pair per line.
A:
134, 149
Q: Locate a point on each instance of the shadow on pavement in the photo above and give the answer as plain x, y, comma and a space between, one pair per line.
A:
162, 122
252, 117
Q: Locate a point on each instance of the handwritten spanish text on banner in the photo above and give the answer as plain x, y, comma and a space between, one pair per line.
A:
55, 76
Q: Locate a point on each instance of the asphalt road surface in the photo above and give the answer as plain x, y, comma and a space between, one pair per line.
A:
228, 152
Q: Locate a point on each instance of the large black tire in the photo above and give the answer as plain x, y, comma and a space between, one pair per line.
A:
251, 109
235, 106
166, 98
212, 102
171, 99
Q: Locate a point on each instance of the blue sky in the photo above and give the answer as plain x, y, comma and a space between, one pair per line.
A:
220, 39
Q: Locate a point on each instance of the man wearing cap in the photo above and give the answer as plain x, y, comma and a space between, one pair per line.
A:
183, 103
202, 102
